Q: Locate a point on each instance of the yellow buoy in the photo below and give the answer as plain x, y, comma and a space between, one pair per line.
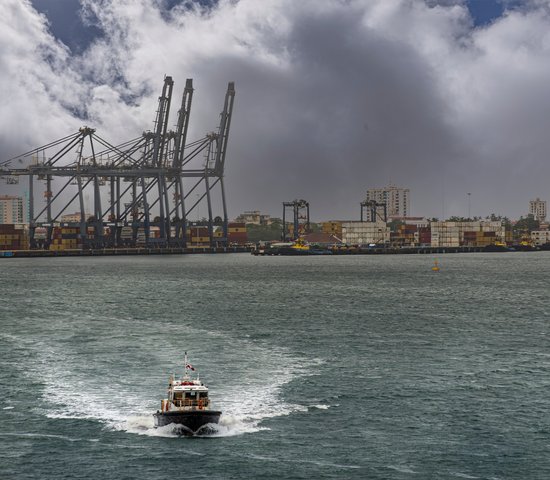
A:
435, 268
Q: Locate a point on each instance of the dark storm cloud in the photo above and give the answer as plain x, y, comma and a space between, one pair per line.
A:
333, 97
353, 110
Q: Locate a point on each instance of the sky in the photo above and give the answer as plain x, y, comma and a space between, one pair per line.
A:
444, 97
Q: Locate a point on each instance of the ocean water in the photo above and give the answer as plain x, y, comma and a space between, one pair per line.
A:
348, 367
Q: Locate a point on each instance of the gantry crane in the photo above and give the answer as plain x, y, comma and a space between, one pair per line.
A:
373, 207
301, 225
137, 185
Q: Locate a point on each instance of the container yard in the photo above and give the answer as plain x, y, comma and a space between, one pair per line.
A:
14, 238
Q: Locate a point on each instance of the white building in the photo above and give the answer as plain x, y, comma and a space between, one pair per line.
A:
255, 217
540, 237
397, 200
11, 209
364, 233
537, 208
74, 217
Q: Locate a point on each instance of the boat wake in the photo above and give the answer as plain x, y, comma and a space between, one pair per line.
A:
228, 426
126, 402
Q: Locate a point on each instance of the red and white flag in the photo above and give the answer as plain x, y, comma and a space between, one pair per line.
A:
190, 367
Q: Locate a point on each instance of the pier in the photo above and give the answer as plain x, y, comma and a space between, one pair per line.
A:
382, 251
120, 251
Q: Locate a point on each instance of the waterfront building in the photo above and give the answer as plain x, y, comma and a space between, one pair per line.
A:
254, 217
540, 237
537, 208
397, 200
73, 217
11, 209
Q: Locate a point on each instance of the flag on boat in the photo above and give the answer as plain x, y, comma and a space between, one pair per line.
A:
189, 367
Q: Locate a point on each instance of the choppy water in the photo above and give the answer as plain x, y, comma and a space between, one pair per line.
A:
368, 367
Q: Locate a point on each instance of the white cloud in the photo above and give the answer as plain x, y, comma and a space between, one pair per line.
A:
35, 86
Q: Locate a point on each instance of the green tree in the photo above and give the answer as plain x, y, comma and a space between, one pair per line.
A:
526, 224
264, 233
500, 218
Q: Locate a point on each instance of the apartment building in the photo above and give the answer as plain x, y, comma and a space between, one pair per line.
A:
11, 209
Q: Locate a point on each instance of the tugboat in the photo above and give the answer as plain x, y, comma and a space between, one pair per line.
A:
187, 405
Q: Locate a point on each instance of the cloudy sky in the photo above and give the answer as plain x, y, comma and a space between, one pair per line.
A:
333, 96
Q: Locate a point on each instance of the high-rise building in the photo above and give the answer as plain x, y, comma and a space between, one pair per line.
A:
11, 209
397, 200
537, 208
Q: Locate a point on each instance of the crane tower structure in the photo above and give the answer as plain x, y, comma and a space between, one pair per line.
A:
300, 219
141, 186
376, 211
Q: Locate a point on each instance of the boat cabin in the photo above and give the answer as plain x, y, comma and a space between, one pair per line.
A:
189, 395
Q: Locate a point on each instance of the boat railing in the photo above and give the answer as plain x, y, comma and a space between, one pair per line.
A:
190, 403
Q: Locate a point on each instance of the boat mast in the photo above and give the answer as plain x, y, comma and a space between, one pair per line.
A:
185, 365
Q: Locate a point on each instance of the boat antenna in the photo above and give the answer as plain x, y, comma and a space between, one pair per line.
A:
185, 364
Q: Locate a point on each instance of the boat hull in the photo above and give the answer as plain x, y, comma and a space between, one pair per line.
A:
299, 251
190, 421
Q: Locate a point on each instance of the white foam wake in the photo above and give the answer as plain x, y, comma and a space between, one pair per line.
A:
247, 390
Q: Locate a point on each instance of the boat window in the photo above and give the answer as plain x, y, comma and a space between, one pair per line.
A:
203, 395
178, 395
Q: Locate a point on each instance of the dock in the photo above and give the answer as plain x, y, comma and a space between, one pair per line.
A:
382, 251
120, 251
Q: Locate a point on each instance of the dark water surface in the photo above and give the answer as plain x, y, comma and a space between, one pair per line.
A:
368, 367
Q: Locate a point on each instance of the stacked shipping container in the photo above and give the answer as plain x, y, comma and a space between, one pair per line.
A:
236, 233
13, 237
364, 233
404, 235
65, 238
455, 234
332, 228
423, 237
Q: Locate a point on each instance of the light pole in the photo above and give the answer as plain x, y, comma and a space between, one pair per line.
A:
198, 209
469, 195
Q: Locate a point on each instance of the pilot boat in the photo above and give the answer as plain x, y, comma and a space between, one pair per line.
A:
187, 405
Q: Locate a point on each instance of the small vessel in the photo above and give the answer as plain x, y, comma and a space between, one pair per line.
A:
497, 247
187, 405
524, 246
302, 247
435, 268
297, 247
